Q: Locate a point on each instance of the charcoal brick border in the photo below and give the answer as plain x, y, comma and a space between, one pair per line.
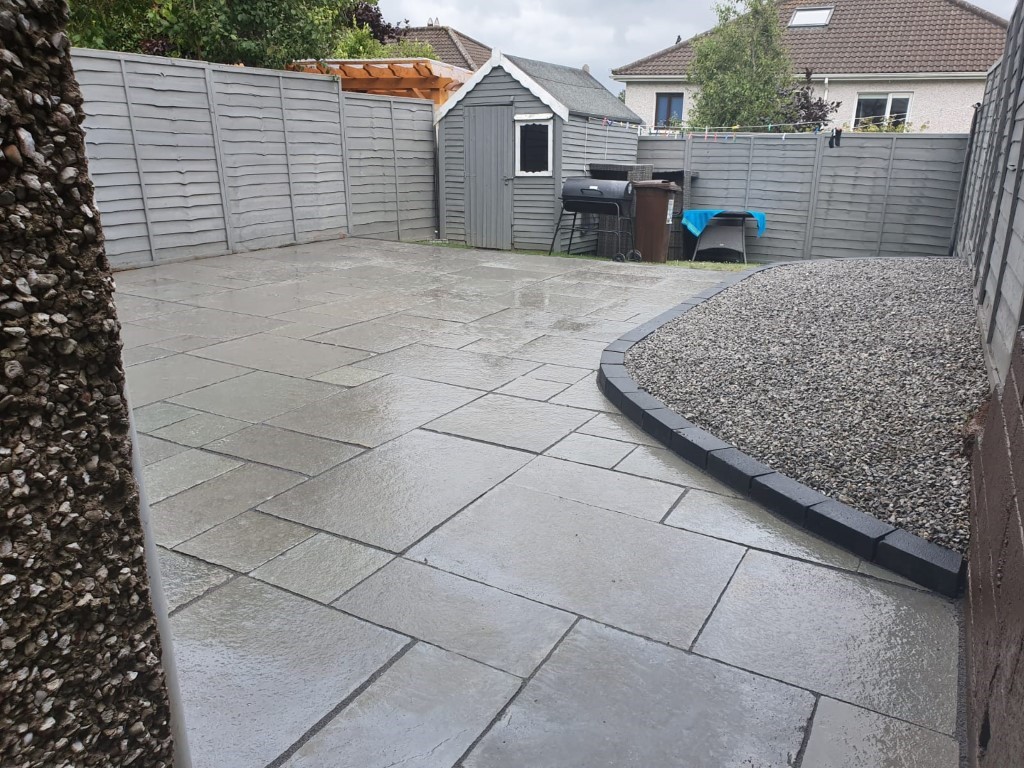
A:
874, 540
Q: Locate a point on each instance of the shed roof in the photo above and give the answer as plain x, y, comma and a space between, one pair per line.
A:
451, 46
870, 37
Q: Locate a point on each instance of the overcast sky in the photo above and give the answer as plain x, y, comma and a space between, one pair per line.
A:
602, 33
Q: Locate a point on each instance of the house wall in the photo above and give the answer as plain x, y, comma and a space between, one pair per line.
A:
191, 159
944, 107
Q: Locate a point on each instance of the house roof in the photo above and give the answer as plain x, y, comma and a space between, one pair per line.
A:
451, 46
564, 90
870, 37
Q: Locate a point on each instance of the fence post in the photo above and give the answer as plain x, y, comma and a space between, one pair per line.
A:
138, 161
812, 205
961, 197
344, 158
287, 157
885, 197
394, 158
750, 168
218, 154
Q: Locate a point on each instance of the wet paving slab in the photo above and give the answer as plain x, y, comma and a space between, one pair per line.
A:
399, 524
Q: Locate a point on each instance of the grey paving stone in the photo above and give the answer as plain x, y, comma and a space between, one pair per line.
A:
136, 355
284, 449
348, 376
258, 396
531, 389
870, 569
844, 736
211, 323
323, 567
181, 471
150, 418
562, 373
153, 450
390, 497
615, 426
262, 301
169, 376
376, 412
750, 524
511, 421
196, 431
449, 366
423, 712
134, 308
585, 394
291, 357
245, 542
134, 336
597, 487
200, 508
259, 667
606, 699
471, 619
660, 464
372, 336
185, 578
871, 643
587, 561
587, 449
459, 310
579, 353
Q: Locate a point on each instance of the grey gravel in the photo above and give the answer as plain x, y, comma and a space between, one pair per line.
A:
854, 377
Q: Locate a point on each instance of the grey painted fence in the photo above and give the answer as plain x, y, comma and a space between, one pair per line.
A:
192, 159
990, 234
875, 195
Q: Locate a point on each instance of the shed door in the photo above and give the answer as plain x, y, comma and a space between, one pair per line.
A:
490, 171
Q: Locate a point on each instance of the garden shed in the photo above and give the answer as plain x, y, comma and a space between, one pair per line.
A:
507, 140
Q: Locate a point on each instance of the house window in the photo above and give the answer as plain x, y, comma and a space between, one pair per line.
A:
669, 109
533, 145
811, 17
892, 109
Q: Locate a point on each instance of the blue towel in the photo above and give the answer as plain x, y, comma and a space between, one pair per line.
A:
696, 219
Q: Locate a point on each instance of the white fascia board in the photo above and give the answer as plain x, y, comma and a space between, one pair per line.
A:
824, 75
497, 60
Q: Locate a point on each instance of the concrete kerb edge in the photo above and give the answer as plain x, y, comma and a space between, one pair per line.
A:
930, 565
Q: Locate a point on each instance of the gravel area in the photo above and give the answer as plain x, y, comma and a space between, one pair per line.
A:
855, 377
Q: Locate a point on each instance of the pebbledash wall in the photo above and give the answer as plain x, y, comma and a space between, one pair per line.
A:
192, 159
937, 106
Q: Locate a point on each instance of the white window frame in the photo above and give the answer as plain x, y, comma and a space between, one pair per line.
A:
830, 8
908, 95
541, 119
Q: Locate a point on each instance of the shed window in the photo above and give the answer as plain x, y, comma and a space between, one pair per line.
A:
882, 109
533, 148
811, 17
669, 109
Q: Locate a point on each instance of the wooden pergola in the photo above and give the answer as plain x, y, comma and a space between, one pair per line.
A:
418, 78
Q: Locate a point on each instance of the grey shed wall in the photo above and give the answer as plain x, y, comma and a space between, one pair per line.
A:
535, 200
192, 159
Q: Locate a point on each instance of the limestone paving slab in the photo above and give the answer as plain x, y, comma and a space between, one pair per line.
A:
579, 353
184, 578
474, 620
598, 487
587, 449
377, 411
872, 643
531, 389
200, 508
563, 373
845, 736
348, 376
258, 668
284, 449
660, 464
392, 496
371, 336
322, 567
423, 712
449, 366
606, 699
615, 426
196, 431
630, 573
585, 394
291, 357
245, 542
212, 323
169, 376
152, 417
511, 421
750, 524
182, 471
257, 396
153, 449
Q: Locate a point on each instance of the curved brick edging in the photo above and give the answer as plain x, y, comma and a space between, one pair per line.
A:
921, 561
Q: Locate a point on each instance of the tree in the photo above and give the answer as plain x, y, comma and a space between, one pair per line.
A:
118, 25
741, 68
808, 109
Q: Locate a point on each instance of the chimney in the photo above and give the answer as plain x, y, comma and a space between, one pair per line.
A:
586, 68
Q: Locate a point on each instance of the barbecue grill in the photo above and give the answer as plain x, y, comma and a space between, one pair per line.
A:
609, 197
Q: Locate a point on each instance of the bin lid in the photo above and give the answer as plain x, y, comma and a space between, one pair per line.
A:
664, 184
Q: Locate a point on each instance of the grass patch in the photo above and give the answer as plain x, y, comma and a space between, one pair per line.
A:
720, 266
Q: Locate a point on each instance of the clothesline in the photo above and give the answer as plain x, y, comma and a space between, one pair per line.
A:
769, 126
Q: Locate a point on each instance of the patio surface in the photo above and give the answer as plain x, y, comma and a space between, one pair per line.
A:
399, 525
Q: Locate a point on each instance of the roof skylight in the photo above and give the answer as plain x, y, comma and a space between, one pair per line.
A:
811, 17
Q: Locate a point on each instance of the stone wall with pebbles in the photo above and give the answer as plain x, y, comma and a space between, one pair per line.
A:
81, 682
